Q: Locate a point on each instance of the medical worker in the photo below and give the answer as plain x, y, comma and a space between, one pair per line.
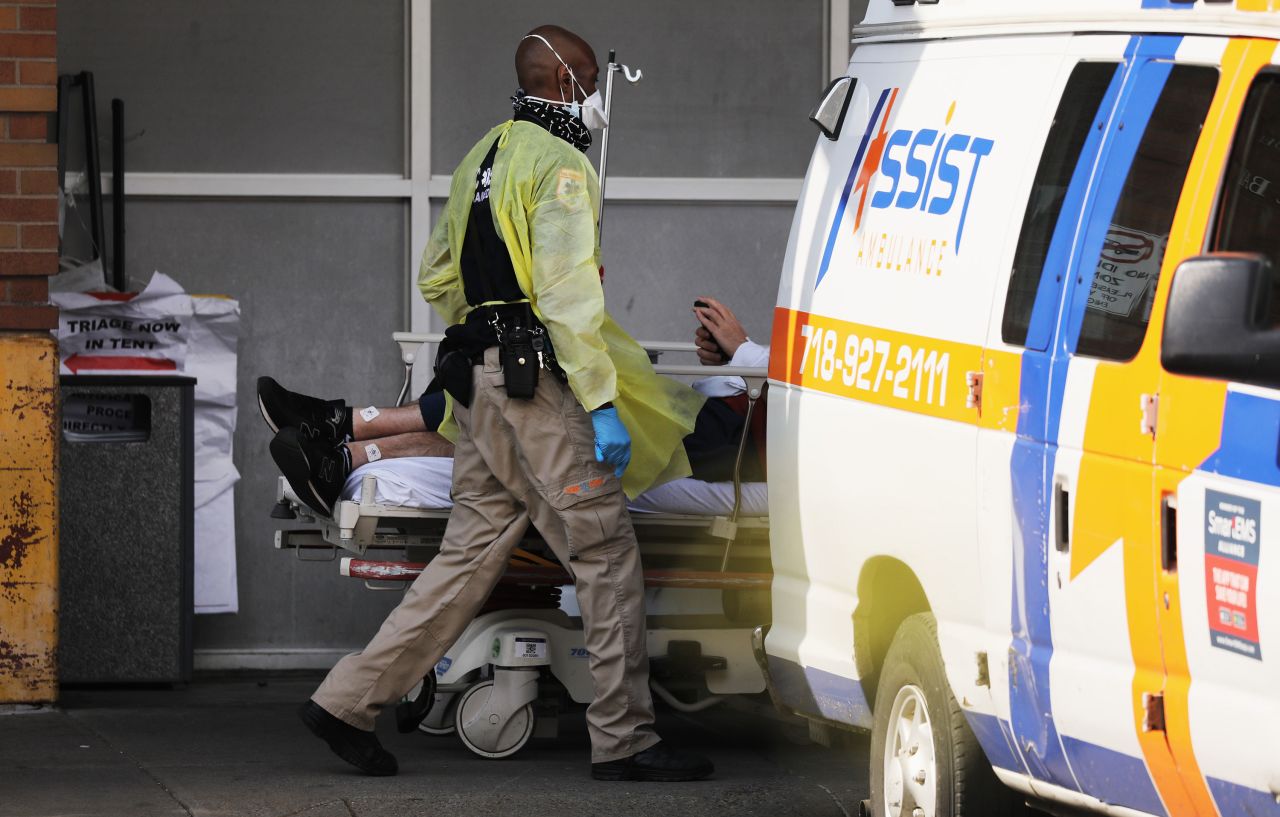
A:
556, 412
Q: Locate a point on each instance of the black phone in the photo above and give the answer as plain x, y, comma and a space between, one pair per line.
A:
723, 356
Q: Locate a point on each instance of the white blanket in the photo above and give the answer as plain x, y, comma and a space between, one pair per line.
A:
423, 482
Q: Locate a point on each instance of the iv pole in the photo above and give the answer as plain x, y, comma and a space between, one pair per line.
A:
613, 68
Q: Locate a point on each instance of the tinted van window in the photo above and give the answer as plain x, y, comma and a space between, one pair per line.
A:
1071, 124
1249, 216
1128, 268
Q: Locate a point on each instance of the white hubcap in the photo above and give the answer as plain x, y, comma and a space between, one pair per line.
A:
910, 767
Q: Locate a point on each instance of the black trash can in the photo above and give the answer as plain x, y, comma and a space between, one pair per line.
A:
126, 500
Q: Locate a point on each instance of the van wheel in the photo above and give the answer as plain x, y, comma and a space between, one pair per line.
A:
925, 761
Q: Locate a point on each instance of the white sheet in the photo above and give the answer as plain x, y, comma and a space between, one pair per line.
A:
423, 482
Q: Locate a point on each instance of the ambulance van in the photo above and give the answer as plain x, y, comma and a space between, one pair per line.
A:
1024, 410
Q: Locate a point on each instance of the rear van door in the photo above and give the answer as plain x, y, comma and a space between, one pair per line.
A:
1218, 480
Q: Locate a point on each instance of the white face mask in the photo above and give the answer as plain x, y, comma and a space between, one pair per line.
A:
593, 115
591, 109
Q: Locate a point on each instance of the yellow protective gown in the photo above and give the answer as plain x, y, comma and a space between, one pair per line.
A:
544, 197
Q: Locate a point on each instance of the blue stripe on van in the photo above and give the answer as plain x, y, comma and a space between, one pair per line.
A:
1044, 378
815, 692
1113, 777
1167, 4
848, 187
1042, 387
994, 738
1250, 431
1236, 799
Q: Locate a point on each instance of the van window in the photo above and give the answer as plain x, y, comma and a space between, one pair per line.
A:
1126, 272
1071, 124
1249, 218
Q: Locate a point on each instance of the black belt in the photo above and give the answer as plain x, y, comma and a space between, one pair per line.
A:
509, 325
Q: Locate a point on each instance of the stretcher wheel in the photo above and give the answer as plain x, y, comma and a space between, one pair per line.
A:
493, 743
441, 719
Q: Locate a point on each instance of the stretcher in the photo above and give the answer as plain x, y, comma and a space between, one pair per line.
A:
707, 576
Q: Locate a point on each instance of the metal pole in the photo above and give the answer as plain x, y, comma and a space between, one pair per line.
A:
118, 277
93, 166
65, 83
604, 140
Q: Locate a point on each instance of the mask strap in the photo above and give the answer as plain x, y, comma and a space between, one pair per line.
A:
547, 43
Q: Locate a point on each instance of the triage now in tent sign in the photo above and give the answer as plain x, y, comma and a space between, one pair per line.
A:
125, 332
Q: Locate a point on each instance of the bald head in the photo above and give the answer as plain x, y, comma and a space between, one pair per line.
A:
541, 74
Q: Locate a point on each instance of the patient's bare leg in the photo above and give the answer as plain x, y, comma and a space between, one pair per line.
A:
412, 444
388, 422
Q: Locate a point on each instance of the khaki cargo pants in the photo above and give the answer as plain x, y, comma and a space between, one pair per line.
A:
516, 462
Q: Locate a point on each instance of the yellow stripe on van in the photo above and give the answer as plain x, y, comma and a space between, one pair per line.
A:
872, 364
915, 373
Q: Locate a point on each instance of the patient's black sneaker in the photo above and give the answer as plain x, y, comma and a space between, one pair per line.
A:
326, 420
657, 764
356, 746
316, 470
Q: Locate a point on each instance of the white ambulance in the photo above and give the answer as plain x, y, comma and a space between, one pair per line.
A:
1024, 414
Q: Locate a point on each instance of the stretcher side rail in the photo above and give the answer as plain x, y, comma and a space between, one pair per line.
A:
421, 530
355, 524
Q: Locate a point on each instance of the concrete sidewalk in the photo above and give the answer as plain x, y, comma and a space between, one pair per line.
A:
234, 747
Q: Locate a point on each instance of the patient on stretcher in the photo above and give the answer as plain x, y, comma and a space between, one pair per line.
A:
323, 446
319, 444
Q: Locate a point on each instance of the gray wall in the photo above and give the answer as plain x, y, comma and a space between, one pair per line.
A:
312, 86
726, 92
245, 86
719, 96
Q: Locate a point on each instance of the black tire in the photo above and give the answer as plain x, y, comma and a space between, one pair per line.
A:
963, 783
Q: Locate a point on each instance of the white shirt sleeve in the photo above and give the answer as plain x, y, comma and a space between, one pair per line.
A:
749, 354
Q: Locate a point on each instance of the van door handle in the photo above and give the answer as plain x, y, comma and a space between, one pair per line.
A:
1062, 509
1169, 533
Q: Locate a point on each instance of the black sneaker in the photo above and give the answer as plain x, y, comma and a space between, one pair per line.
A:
356, 746
316, 471
328, 421
656, 764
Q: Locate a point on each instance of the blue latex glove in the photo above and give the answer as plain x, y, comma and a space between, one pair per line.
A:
613, 442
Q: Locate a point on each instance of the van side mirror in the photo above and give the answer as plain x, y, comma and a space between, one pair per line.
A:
1215, 324
830, 113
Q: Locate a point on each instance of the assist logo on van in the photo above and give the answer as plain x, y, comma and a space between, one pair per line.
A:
929, 171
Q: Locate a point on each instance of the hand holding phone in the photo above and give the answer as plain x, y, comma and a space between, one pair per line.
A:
707, 342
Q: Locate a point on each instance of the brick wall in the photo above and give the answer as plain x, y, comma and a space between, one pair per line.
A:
28, 162
28, 355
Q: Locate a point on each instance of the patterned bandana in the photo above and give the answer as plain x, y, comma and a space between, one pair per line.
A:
555, 118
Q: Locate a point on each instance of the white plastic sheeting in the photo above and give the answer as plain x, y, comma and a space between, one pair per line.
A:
163, 330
